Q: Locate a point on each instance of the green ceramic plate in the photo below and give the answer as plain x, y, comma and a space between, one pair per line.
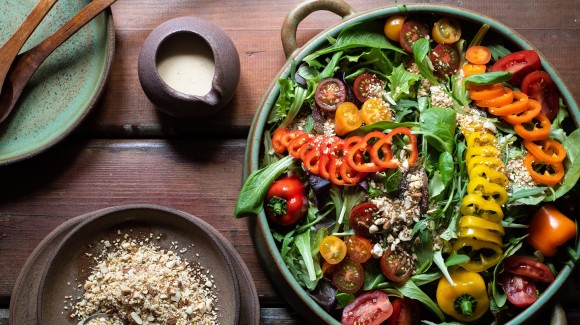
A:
65, 87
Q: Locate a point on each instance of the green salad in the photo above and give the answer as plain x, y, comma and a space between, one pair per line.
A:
415, 170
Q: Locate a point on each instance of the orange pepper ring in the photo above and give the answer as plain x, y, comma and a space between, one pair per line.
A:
537, 133
505, 99
534, 108
546, 178
518, 106
360, 149
486, 92
548, 150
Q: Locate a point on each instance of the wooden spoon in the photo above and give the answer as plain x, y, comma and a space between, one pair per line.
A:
25, 64
10, 49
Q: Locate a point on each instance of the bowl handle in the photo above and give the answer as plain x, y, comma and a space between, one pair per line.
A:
301, 11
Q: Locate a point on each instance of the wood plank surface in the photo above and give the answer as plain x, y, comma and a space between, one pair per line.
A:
127, 152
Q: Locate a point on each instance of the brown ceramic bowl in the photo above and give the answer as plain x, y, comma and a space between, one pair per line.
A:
73, 258
175, 67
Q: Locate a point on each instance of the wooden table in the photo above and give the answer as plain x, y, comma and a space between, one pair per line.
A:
126, 152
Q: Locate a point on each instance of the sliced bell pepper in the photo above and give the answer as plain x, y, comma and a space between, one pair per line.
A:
538, 131
489, 191
477, 222
490, 162
552, 173
476, 205
534, 108
480, 234
548, 150
296, 144
481, 151
277, 144
519, 105
485, 92
384, 147
478, 139
491, 175
483, 254
363, 149
506, 98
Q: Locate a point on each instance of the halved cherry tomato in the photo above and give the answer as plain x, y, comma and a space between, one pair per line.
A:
347, 118
470, 69
412, 31
348, 276
396, 266
393, 27
519, 64
361, 217
375, 110
358, 248
549, 229
540, 86
548, 150
520, 291
446, 31
329, 94
528, 267
445, 59
370, 308
478, 54
277, 144
368, 85
286, 202
332, 249
406, 311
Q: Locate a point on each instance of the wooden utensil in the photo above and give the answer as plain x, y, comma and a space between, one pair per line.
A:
26, 63
10, 49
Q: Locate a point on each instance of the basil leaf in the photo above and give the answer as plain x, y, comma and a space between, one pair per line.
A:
251, 198
420, 52
488, 78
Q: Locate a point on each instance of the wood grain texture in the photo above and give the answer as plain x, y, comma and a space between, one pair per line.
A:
126, 152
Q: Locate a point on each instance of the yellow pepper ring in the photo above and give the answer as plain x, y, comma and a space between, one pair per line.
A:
493, 176
482, 151
480, 234
477, 222
485, 260
476, 205
489, 191
478, 139
490, 162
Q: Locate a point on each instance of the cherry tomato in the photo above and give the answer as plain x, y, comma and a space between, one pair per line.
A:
332, 249
519, 64
478, 54
406, 311
329, 94
446, 31
347, 119
539, 86
445, 59
396, 266
286, 202
520, 291
370, 308
393, 27
348, 276
368, 85
528, 267
412, 31
358, 248
361, 217
375, 110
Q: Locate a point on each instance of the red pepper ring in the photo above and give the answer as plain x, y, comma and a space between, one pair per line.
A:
385, 146
277, 144
296, 144
549, 151
311, 161
519, 105
289, 136
552, 175
361, 148
539, 132
324, 166
350, 175
534, 108
334, 171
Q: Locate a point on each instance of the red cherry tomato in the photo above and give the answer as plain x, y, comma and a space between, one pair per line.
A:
348, 276
412, 31
406, 311
361, 217
329, 94
539, 86
358, 248
520, 291
286, 202
370, 308
528, 267
445, 59
396, 266
519, 64
368, 85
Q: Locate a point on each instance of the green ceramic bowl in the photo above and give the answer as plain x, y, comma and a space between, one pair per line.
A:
265, 244
65, 87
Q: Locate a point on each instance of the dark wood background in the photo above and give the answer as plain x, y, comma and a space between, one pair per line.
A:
126, 152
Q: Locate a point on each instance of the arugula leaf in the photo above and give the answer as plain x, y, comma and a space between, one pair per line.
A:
446, 167
498, 51
420, 52
438, 260
439, 122
409, 289
456, 259
386, 125
401, 82
251, 198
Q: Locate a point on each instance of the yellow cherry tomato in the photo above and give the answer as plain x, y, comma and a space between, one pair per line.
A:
332, 249
446, 31
347, 118
375, 110
393, 27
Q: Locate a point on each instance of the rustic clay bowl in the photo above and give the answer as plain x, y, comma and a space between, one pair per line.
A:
265, 244
70, 265
200, 33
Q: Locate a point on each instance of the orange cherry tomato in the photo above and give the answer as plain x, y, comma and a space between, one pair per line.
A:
519, 105
446, 31
470, 69
543, 173
549, 151
534, 108
375, 110
505, 99
550, 228
332, 249
393, 27
478, 55
358, 248
347, 118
